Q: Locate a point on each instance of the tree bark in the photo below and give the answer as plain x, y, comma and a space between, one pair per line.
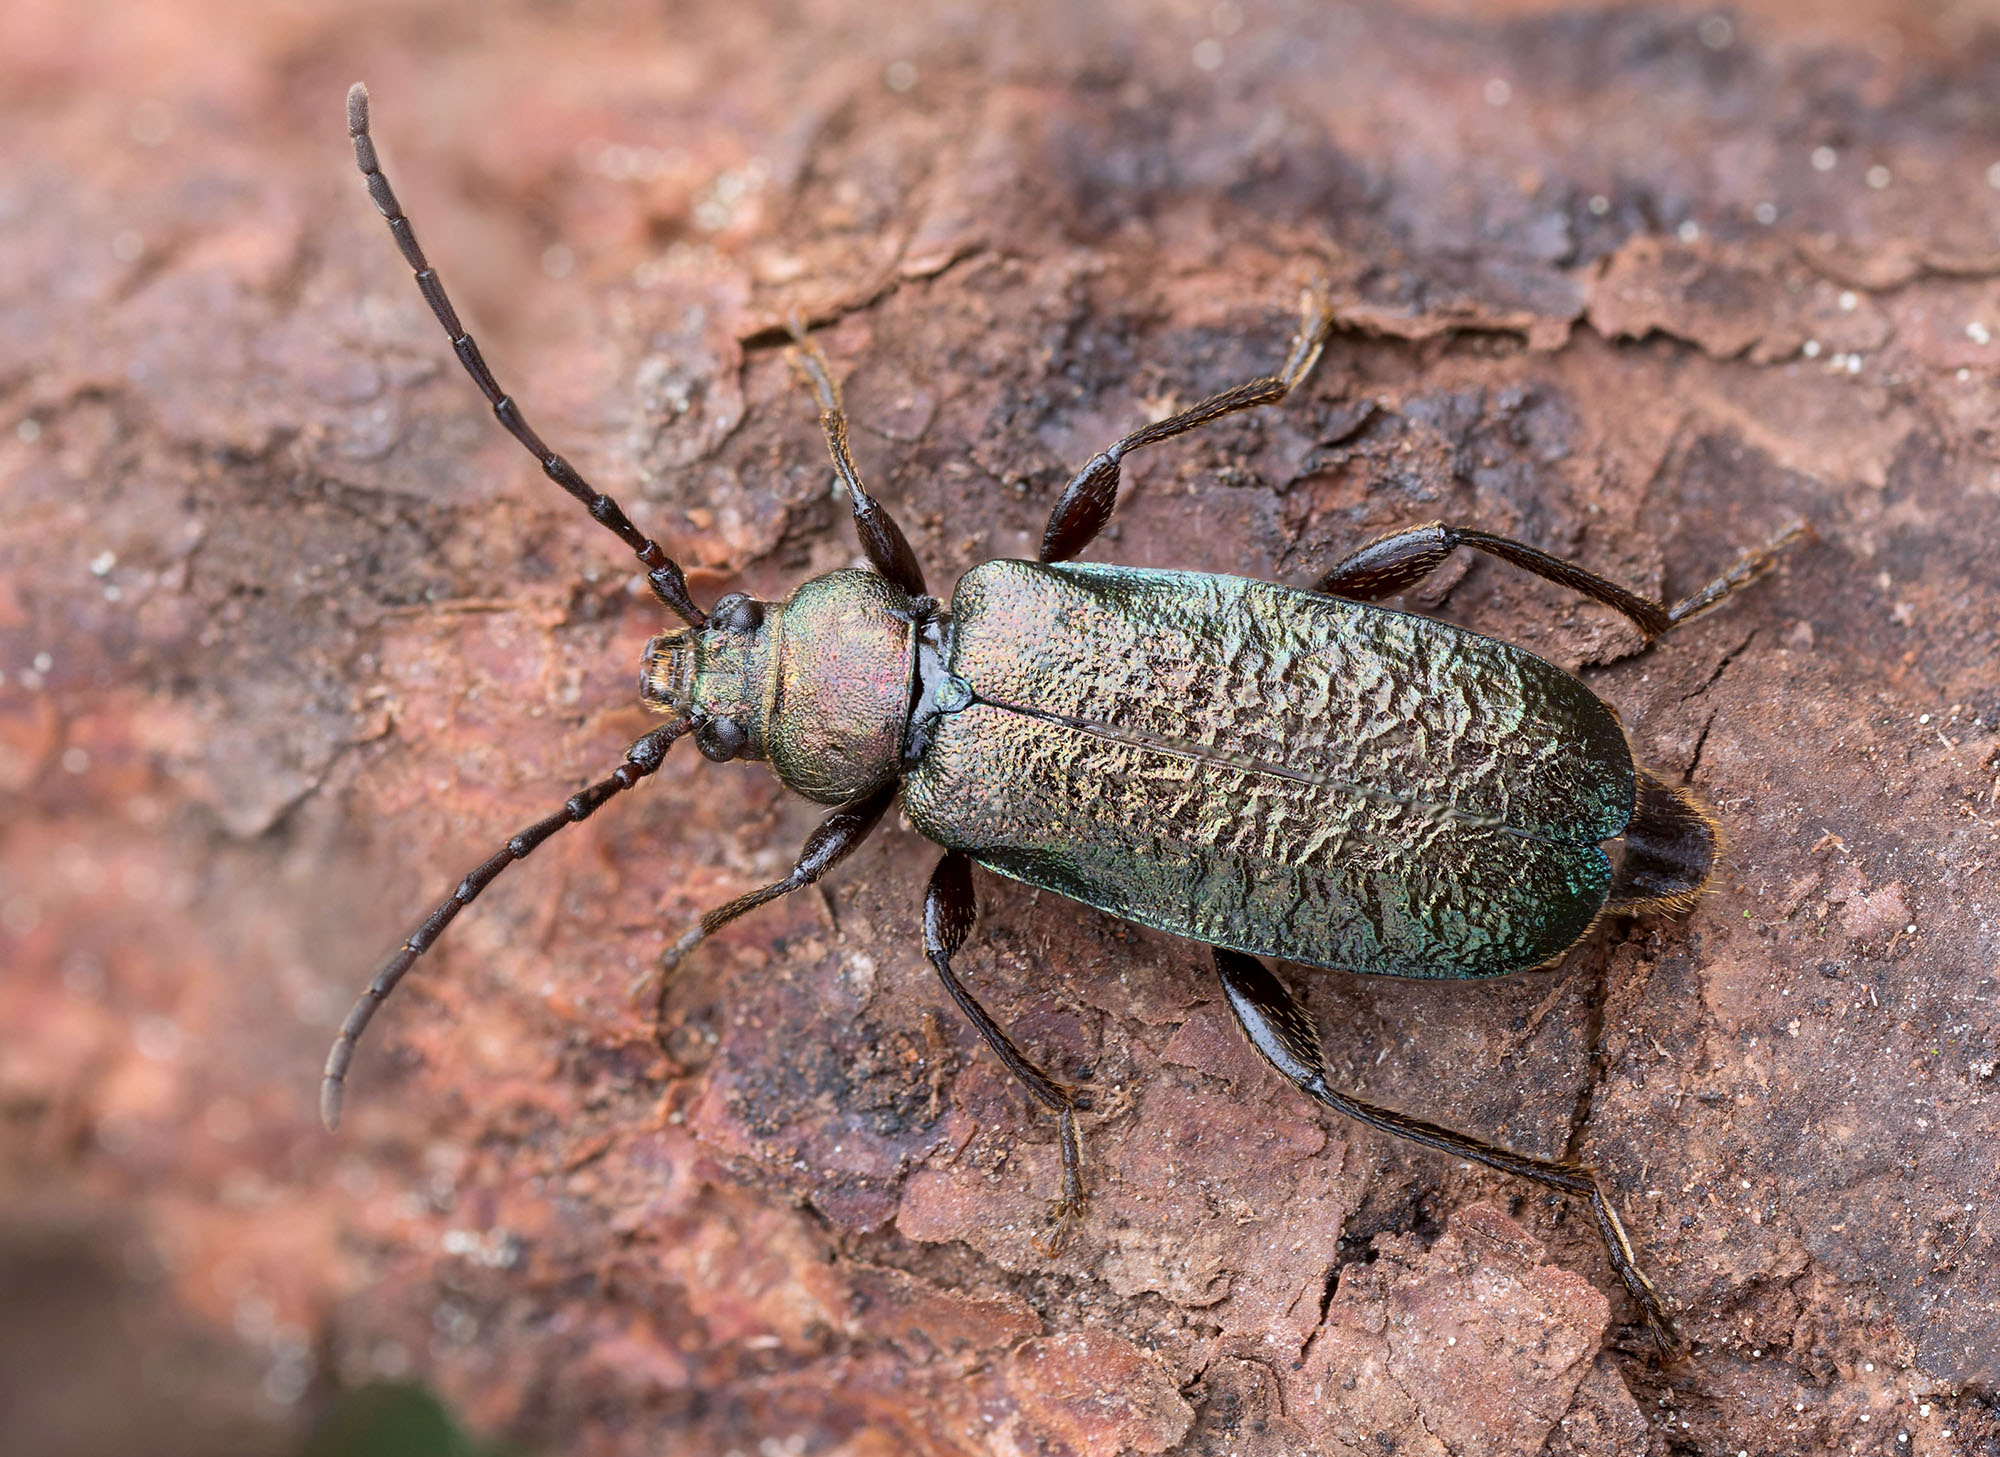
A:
293, 636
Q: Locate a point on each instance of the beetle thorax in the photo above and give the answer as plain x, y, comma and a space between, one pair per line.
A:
819, 685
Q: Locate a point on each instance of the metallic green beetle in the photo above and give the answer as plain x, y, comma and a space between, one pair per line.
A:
1264, 769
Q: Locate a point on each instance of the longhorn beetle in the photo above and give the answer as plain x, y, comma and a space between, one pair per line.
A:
1269, 770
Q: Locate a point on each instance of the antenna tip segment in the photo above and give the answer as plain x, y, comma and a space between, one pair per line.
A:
357, 109
331, 1095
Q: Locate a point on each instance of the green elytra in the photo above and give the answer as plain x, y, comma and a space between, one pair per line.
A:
1265, 769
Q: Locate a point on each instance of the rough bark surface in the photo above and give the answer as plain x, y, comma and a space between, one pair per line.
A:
292, 635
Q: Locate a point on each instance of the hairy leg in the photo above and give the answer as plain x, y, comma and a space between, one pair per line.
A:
949, 912
1280, 1030
1086, 502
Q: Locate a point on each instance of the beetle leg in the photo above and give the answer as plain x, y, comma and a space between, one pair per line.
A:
1279, 1029
949, 911
643, 758
1085, 504
843, 829
887, 549
1398, 561
663, 574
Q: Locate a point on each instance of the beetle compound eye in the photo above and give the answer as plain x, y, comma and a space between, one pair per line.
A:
736, 612
720, 739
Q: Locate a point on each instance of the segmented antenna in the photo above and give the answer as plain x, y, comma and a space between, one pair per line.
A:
641, 759
668, 581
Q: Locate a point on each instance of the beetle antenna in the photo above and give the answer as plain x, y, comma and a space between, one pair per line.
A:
663, 574
641, 759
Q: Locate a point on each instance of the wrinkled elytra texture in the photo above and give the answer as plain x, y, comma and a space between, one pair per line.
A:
1271, 770
318, 636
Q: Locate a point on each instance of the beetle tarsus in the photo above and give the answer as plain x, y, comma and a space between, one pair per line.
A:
1066, 1213
669, 962
1749, 567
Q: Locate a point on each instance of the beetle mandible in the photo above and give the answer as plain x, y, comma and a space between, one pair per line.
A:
1269, 770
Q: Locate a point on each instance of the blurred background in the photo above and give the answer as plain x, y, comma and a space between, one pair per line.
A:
291, 635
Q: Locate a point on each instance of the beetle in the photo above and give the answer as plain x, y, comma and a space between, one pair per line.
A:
1272, 771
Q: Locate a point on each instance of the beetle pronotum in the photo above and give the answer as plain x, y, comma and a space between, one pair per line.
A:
1268, 770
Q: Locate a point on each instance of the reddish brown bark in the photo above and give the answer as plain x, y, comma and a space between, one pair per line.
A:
293, 635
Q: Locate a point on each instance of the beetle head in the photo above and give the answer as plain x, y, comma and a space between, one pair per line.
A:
718, 677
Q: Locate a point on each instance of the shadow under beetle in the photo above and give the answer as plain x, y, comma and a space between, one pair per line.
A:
1268, 770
